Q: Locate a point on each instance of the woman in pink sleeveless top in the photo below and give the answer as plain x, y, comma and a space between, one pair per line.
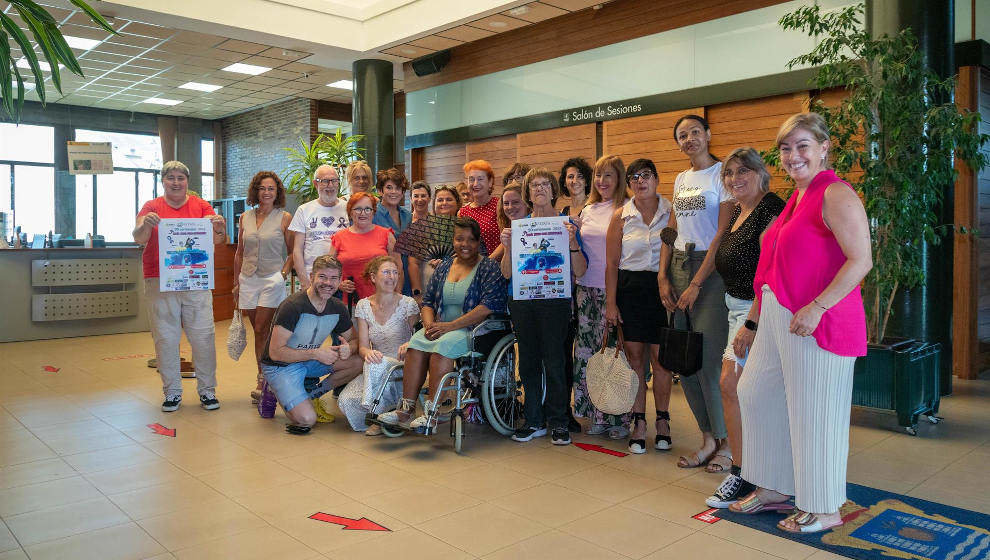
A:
796, 389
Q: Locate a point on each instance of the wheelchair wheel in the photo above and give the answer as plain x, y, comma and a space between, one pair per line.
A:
501, 388
389, 432
457, 430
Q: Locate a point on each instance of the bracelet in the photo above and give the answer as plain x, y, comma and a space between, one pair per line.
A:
578, 250
819, 304
695, 284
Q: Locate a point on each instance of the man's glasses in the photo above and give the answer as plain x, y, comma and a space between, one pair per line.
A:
326, 182
641, 176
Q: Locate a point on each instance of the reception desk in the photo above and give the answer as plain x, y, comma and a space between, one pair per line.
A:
60, 293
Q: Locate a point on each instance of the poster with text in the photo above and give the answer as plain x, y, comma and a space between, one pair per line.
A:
541, 264
90, 158
185, 254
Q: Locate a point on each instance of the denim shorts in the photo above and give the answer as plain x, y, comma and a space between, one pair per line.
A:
288, 382
738, 311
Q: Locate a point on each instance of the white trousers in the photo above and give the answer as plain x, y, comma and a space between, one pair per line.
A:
171, 313
794, 399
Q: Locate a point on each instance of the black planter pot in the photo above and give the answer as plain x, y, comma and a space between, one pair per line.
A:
901, 375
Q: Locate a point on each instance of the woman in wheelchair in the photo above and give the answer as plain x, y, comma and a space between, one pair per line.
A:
463, 291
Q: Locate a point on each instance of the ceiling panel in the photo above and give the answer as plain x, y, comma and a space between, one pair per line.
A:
245, 47
535, 12
435, 42
498, 23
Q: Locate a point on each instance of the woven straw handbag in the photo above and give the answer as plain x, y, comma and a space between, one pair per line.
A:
236, 336
612, 384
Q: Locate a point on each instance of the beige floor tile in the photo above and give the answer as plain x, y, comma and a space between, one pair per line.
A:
34, 497
123, 542
672, 503
212, 458
59, 413
545, 464
250, 477
35, 472
482, 529
199, 524
66, 520
360, 482
26, 451
551, 503
488, 482
408, 544
301, 498
764, 542
15, 554
328, 537
165, 498
420, 502
626, 531
329, 460
428, 463
554, 545
905, 473
261, 544
700, 481
609, 484
108, 459
139, 476
7, 540
701, 545
660, 466
69, 445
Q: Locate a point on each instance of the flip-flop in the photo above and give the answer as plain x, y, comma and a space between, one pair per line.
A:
752, 505
806, 523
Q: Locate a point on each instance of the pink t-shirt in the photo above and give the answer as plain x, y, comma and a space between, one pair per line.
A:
354, 250
195, 207
800, 257
594, 225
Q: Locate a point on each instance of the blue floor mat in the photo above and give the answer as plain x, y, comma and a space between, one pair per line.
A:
882, 525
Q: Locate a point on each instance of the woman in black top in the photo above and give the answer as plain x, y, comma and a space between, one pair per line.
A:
746, 178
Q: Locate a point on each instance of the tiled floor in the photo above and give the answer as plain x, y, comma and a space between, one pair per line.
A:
81, 476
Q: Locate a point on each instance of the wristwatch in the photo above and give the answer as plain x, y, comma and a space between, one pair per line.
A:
751, 325
417, 292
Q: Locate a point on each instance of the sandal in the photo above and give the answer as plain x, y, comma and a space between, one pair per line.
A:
804, 522
637, 446
695, 460
255, 396
662, 442
752, 504
721, 462
597, 429
618, 432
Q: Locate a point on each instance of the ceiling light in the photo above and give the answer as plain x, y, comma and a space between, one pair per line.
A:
162, 101
498, 24
200, 87
80, 43
246, 69
23, 63
519, 11
27, 85
342, 84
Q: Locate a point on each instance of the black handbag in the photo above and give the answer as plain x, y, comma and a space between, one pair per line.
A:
680, 350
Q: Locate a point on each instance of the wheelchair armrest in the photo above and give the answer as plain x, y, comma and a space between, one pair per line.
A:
494, 322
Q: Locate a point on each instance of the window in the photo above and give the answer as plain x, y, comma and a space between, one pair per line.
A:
106, 204
209, 190
27, 178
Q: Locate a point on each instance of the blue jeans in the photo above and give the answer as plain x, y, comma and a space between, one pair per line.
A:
289, 382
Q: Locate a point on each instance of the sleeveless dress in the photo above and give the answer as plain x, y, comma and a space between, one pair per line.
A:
455, 343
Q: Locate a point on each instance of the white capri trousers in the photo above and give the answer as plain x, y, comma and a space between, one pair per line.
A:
171, 313
794, 399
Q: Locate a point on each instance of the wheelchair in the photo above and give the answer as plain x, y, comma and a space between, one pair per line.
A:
486, 376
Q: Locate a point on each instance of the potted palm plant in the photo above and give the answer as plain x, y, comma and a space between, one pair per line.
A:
894, 127
48, 38
336, 150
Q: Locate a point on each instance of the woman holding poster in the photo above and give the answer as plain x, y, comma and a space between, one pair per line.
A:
172, 312
541, 273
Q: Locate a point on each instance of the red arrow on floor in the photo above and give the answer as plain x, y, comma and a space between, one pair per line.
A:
363, 524
600, 449
162, 430
51, 369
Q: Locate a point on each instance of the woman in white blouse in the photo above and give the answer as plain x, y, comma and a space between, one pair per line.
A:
632, 300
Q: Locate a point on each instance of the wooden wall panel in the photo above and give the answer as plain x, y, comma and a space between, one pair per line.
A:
652, 137
551, 148
500, 152
965, 288
615, 21
753, 123
443, 164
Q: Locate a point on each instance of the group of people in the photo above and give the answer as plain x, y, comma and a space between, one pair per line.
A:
772, 286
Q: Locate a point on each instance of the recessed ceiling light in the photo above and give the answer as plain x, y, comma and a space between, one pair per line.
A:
27, 85
200, 87
80, 43
23, 63
162, 101
497, 24
342, 84
246, 69
519, 11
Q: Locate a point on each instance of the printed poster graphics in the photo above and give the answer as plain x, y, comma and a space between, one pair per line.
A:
90, 158
541, 264
185, 254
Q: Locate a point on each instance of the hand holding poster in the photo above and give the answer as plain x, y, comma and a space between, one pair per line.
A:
541, 263
185, 254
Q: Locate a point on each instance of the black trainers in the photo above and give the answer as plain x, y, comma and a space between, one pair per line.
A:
732, 489
209, 401
560, 436
171, 403
528, 433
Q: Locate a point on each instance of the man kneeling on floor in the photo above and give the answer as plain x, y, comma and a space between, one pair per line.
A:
295, 358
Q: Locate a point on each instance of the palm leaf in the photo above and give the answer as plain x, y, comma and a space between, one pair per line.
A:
21, 40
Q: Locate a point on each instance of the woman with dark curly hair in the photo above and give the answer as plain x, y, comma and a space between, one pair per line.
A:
575, 184
260, 262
